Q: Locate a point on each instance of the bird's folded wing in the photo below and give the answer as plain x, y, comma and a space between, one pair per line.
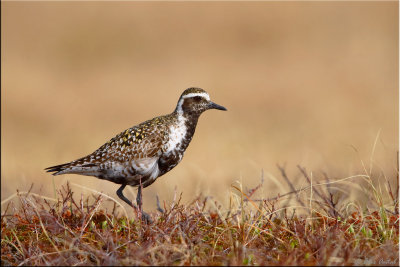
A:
131, 145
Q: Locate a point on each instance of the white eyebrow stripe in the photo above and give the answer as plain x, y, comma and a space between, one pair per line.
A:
205, 95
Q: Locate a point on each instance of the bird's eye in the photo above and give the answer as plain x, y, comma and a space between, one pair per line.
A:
197, 98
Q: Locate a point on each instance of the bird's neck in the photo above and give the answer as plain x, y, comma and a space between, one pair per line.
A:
186, 122
189, 120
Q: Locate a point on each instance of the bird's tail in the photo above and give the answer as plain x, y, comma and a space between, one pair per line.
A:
58, 169
79, 166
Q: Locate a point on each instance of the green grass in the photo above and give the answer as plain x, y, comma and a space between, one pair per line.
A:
315, 225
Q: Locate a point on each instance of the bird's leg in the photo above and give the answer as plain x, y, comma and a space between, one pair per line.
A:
121, 196
139, 197
144, 215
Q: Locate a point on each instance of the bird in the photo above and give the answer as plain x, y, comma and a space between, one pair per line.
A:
142, 153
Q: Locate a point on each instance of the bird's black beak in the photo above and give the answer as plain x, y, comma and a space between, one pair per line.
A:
212, 105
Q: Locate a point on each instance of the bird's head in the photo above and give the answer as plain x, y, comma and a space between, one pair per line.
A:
195, 101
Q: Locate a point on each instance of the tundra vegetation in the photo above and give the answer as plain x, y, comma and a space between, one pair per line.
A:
318, 224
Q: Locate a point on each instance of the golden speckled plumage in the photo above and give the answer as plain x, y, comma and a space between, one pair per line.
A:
142, 153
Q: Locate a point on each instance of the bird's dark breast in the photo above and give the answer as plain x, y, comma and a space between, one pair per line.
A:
169, 161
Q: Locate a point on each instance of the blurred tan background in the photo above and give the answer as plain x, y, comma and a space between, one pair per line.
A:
310, 83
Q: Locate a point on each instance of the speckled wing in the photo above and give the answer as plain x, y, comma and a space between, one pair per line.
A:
130, 155
136, 143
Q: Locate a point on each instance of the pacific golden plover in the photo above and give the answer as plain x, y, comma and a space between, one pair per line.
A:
141, 154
